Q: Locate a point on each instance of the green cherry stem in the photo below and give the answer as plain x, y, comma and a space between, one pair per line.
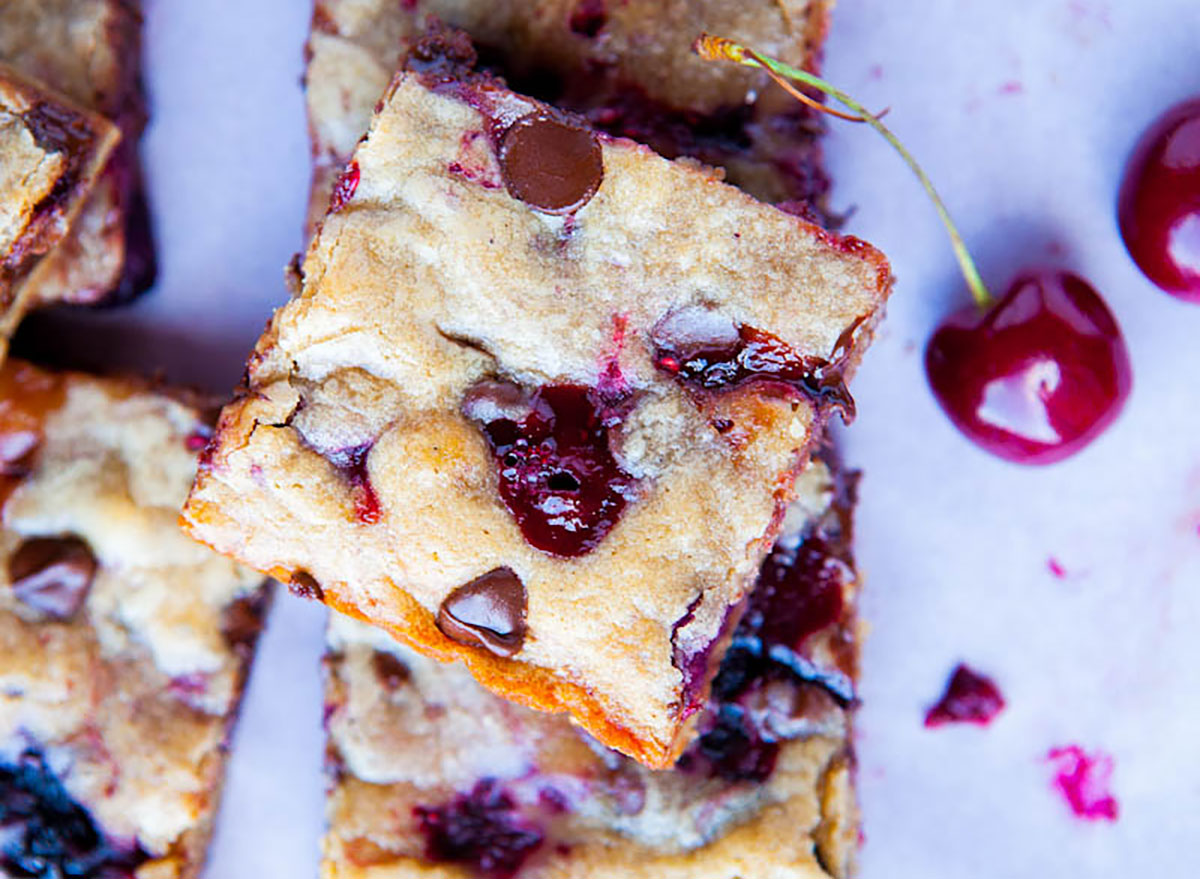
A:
713, 48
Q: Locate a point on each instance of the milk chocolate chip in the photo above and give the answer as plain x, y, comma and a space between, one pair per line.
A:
550, 163
305, 585
52, 575
488, 612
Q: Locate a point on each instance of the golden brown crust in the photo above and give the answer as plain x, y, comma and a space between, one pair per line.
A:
407, 734
131, 696
90, 50
428, 281
53, 151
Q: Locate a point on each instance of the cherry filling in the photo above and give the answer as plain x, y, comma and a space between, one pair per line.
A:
344, 189
351, 462
481, 829
711, 353
557, 473
588, 18
48, 835
799, 593
969, 698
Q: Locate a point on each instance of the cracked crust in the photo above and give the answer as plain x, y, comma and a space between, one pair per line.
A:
406, 733
51, 151
636, 70
363, 354
132, 697
90, 50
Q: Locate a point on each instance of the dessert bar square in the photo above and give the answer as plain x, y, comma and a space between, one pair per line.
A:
51, 151
124, 645
627, 66
431, 775
90, 50
539, 402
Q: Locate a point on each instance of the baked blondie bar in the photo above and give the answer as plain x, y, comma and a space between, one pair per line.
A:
539, 402
431, 775
627, 66
123, 644
90, 50
51, 152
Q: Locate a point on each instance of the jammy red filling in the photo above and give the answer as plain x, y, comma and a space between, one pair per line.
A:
481, 829
799, 594
45, 833
557, 473
749, 355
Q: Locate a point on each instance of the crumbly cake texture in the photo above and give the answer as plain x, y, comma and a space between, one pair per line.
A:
627, 65
431, 775
90, 50
51, 152
123, 644
552, 437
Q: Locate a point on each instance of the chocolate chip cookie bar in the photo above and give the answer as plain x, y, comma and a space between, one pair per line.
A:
539, 402
431, 775
51, 152
90, 50
123, 644
626, 66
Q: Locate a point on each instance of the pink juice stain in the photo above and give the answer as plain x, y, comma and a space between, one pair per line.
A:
1083, 781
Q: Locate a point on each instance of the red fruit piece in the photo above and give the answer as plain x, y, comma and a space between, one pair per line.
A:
1159, 203
970, 697
557, 473
1083, 780
344, 189
1038, 375
482, 830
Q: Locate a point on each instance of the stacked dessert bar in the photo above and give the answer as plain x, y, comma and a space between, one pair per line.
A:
124, 646
87, 52
544, 406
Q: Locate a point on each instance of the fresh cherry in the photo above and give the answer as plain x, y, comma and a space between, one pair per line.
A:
1038, 375
1032, 377
1159, 204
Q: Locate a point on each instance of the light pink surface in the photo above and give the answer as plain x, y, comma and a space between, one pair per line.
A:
1023, 113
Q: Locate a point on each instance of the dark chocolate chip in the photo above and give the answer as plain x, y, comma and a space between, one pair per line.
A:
242, 621
52, 575
693, 331
17, 448
305, 585
550, 163
489, 401
488, 612
392, 673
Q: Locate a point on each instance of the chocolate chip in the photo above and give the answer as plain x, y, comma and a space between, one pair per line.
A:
305, 585
392, 673
488, 612
52, 575
693, 331
242, 621
489, 401
550, 163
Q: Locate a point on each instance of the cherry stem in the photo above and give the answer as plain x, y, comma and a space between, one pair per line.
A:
712, 48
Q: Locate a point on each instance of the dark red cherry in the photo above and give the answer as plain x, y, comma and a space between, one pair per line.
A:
481, 829
46, 833
557, 473
1159, 204
1038, 375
